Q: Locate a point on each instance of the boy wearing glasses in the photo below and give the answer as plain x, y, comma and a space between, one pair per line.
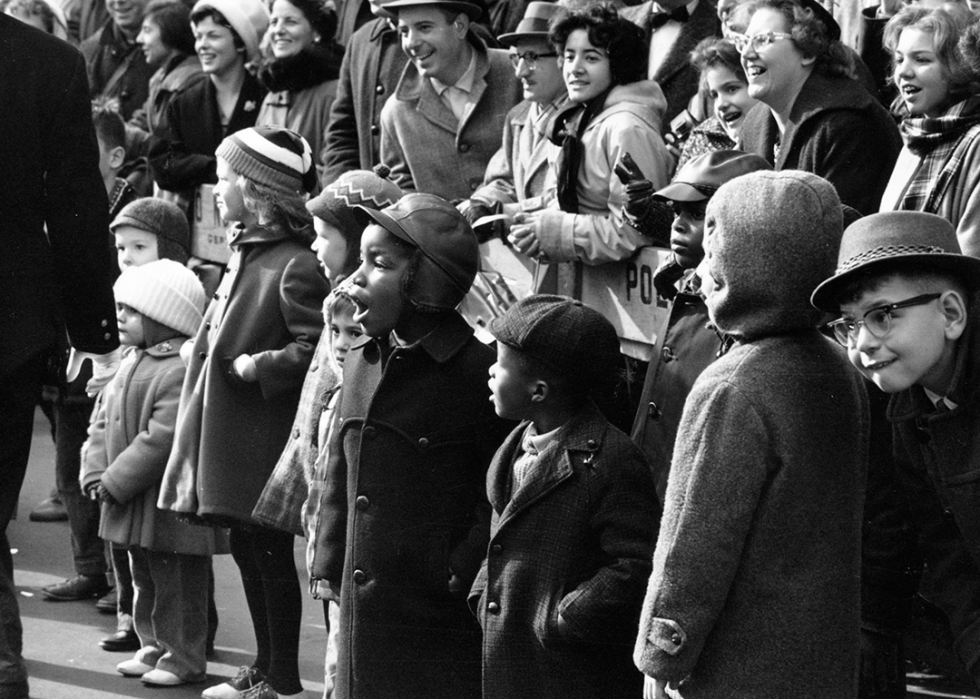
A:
905, 292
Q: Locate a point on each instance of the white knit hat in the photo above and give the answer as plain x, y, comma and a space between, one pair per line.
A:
249, 18
164, 291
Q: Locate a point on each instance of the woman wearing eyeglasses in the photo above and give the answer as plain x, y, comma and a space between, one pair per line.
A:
815, 116
938, 170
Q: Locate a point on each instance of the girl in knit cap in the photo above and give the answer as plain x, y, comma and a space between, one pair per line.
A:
159, 307
243, 384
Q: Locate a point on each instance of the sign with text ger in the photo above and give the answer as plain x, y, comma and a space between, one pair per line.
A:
208, 238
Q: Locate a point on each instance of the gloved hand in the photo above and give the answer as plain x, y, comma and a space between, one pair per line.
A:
639, 190
474, 209
99, 493
665, 278
104, 367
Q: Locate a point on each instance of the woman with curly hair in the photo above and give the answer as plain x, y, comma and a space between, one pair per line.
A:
301, 76
815, 115
938, 170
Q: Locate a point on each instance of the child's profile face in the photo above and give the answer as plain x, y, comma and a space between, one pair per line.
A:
687, 233
919, 347
135, 247
109, 160
228, 196
376, 284
344, 332
130, 324
330, 247
510, 386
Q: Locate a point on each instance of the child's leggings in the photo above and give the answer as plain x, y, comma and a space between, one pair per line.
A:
272, 590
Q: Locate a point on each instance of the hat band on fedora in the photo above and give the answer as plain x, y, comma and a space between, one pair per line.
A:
885, 252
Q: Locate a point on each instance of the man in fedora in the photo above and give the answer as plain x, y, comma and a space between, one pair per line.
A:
443, 124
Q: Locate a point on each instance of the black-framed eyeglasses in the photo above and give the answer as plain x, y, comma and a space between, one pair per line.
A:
878, 320
757, 41
530, 58
695, 209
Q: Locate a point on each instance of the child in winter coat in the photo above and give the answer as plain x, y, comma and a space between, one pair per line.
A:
908, 300
243, 383
150, 229
158, 307
574, 514
755, 590
404, 513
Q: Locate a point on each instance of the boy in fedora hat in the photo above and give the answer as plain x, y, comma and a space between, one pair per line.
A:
404, 512
906, 294
443, 123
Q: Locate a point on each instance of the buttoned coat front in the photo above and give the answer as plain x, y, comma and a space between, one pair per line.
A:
427, 148
406, 517
575, 539
230, 433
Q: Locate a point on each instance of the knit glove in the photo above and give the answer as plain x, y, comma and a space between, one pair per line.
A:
97, 492
665, 278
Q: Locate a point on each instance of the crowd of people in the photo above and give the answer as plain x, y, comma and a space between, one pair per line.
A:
512, 506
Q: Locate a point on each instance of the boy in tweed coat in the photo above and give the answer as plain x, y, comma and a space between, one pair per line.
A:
574, 516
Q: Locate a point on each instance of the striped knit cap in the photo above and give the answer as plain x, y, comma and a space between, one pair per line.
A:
164, 291
335, 204
272, 156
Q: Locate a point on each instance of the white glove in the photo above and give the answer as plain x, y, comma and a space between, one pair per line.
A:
104, 367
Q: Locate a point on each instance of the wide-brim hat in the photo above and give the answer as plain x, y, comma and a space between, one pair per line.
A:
895, 236
470, 10
534, 24
701, 177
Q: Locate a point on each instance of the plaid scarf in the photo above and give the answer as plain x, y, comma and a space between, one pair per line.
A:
941, 143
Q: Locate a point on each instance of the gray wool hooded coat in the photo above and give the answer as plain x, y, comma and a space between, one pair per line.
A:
755, 585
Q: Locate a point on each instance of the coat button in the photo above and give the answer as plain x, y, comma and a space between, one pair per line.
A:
215, 294
369, 432
295, 433
379, 89
667, 354
106, 336
493, 607
653, 412
105, 323
362, 503
464, 147
314, 367
423, 443
375, 129
496, 548
207, 326
592, 444
676, 639
204, 355
474, 184
360, 577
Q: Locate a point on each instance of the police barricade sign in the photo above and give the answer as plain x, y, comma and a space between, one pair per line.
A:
622, 291
208, 238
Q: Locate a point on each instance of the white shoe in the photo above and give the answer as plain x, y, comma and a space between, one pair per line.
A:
161, 678
246, 678
133, 668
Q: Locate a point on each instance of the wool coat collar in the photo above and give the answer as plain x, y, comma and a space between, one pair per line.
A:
242, 235
442, 344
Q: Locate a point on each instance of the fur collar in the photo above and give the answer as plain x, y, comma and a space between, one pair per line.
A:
312, 66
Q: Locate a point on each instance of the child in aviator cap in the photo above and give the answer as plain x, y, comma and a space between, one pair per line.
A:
405, 513
907, 300
574, 514
159, 307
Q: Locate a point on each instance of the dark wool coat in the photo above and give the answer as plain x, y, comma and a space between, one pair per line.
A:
836, 130
938, 457
372, 65
406, 517
108, 51
49, 176
576, 539
182, 153
230, 433
677, 77
128, 444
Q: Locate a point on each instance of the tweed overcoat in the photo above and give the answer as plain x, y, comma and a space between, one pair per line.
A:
230, 433
834, 126
405, 517
373, 64
427, 148
129, 442
938, 463
575, 539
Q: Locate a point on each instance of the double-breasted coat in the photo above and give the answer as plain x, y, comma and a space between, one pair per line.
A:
405, 517
575, 539
230, 433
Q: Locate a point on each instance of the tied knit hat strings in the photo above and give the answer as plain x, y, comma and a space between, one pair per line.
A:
272, 156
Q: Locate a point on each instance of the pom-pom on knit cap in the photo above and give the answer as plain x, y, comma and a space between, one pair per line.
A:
272, 156
162, 218
879, 240
371, 189
249, 18
164, 291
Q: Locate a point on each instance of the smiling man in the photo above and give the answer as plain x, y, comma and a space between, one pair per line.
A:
443, 123
116, 65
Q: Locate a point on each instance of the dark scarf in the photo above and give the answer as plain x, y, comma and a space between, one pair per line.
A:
313, 65
569, 138
941, 142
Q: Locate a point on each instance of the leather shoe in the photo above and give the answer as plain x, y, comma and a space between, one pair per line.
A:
50, 509
108, 602
121, 641
78, 588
